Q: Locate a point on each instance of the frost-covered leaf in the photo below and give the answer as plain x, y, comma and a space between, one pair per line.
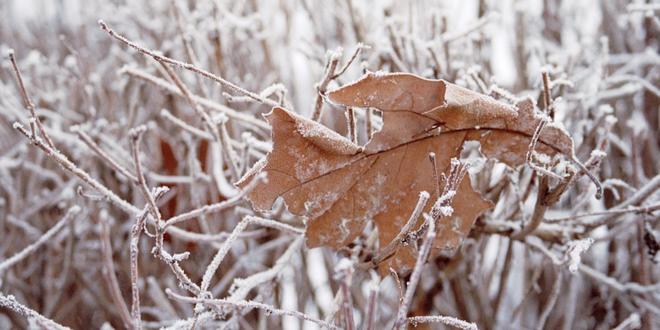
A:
340, 186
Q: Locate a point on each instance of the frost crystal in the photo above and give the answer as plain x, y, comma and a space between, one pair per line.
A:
575, 250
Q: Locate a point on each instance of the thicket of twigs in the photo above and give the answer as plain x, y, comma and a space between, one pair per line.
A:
116, 165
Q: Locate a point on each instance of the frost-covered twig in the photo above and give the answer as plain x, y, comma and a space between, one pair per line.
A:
187, 66
330, 68
109, 274
242, 117
594, 274
27, 102
446, 320
11, 303
250, 304
389, 249
550, 303
135, 135
136, 230
75, 170
240, 227
631, 322
423, 254
9, 262
637, 210
640, 196
216, 207
105, 156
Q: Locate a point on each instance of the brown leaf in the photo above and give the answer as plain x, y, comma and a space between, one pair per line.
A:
339, 186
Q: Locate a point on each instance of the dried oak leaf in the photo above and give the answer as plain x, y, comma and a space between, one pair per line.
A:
340, 186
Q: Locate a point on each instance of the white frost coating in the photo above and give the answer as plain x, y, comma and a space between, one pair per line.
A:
313, 130
308, 167
575, 250
39, 320
224, 187
317, 204
375, 199
446, 211
611, 120
289, 298
447, 196
318, 276
343, 264
7, 263
343, 228
541, 157
378, 74
637, 123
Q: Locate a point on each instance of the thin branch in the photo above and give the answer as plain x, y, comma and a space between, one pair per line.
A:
550, 303
640, 196
352, 129
72, 168
548, 105
330, 67
345, 275
44, 322
135, 135
539, 209
27, 102
633, 322
240, 227
616, 211
217, 207
136, 230
391, 247
95, 147
422, 256
250, 304
372, 308
110, 277
206, 119
160, 58
360, 46
630, 287
446, 320
436, 177
9, 262
243, 118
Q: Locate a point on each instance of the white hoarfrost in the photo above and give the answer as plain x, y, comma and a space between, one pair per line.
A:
575, 251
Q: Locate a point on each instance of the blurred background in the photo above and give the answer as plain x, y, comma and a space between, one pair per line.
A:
602, 56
